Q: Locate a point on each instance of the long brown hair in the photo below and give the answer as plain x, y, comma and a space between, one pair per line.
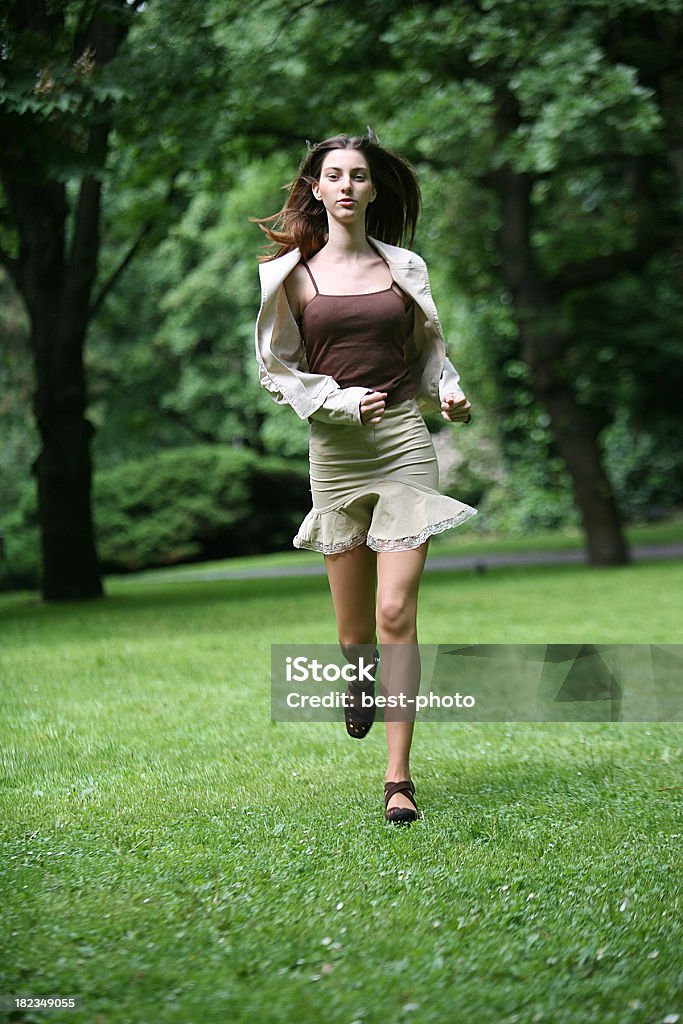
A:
302, 222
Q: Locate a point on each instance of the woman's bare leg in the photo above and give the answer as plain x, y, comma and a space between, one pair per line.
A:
352, 577
399, 574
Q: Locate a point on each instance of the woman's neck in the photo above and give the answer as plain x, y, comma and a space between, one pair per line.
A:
346, 241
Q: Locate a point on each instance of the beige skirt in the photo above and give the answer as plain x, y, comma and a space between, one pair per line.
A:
376, 485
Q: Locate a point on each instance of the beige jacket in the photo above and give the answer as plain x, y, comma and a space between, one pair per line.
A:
282, 361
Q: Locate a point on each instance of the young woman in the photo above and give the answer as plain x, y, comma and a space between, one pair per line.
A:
348, 335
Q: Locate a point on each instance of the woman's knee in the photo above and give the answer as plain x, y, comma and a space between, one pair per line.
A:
395, 615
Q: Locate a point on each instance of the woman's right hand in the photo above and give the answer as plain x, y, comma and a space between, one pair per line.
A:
372, 407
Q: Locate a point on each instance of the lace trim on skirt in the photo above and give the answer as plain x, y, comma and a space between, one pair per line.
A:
331, 549
408, 543
377, 544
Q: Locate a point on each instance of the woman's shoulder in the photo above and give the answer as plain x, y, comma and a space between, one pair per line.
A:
397, 254
297, 285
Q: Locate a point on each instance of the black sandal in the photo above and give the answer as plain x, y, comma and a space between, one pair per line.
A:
359, 719
400, 815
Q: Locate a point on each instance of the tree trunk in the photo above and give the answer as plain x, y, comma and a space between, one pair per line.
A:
574, 428
576, 441
63, 468
56, 297
542, 349
57, 288
575, 434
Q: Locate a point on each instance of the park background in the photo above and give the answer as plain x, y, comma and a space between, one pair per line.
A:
170, 854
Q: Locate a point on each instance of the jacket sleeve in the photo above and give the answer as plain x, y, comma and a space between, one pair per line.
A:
449, 380
449, 383
341, 406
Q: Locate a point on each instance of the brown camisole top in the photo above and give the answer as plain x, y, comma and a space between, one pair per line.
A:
359, 340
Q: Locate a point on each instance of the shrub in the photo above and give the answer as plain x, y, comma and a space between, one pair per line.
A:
646, 469
178, 505
191, 504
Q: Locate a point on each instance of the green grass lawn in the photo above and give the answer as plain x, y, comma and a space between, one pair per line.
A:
171, 855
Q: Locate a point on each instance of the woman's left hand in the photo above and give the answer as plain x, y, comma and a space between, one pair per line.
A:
456, 409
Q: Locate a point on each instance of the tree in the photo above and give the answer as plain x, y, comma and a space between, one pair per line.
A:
70, 91
572, 158
553, 130
55, 119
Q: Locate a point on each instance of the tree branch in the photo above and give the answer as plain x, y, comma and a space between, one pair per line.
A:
113, 278
82, 263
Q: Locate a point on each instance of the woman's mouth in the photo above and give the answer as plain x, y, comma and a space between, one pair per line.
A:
347, 202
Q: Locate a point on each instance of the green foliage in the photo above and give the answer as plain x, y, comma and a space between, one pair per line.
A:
532, 491
55, 86
577, 105
185, 369
210, 105
282, 433
192, 503
532, 496
646, 467
577, 99
628, 357
20, 565
179, 505
18, 435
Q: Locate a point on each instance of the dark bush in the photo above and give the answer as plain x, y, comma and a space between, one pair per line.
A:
192, 504
179, 505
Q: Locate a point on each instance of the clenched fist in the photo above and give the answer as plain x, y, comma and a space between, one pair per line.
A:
456, 409
372, 407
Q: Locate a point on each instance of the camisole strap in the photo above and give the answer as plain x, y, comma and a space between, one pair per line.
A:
311, 277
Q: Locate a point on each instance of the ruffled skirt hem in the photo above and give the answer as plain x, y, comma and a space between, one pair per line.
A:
415, 516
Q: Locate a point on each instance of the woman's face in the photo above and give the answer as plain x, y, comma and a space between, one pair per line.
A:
345, 187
